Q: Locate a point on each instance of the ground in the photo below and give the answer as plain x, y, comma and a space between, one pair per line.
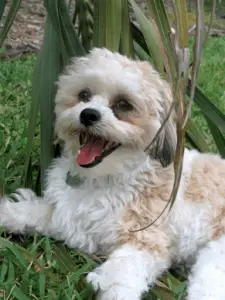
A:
38, 268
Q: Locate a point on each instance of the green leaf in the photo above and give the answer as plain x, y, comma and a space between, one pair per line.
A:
151, 38
107, 24
18, 294
63, 258
66, 37
42, 280
208, 108
197, 137
158, 13
218, 137
139, 38
43, 94
126, 42
15, 250
4, 269
2, 8
9, 19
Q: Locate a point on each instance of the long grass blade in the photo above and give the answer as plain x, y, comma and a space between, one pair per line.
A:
217, 136
9, 20
14, 249
126, 42
208, 108
158, 13
107, 24
151, 38
139, 39
197, 137
44, 90
66, 37
198, 46
2, 8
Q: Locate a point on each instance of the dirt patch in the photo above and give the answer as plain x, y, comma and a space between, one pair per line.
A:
27, 30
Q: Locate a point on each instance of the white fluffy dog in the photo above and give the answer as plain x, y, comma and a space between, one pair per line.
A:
108, 109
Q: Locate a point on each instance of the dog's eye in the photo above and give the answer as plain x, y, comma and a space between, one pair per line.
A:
123, 106
84, 95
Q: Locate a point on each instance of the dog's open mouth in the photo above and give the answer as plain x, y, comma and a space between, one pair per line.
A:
93, 149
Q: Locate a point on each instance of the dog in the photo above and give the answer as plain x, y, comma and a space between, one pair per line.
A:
108, 110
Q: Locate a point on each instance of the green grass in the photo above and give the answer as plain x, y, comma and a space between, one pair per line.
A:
38, 268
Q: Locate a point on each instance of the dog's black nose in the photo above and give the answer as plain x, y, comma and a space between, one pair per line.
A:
89, 116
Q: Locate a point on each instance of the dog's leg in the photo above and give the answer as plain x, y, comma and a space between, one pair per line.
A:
207, 280
33, 214
30, 214
127, 274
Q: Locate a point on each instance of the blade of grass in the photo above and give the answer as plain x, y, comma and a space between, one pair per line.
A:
208, 108
2, 8
18, 294
158, 13
4, 269
107, 24
9, 20
218, 137
196, 135
14, 249
44, 90
42, 279
126, 42
68, 41
139, 38
63, 258
197, 53
150, 36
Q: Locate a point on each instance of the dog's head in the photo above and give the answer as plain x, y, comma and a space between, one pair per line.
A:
109, 107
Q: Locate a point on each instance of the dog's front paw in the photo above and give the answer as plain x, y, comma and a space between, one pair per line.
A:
24, 194
109, 289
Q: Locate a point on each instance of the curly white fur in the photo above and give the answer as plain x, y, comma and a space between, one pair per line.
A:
128, 188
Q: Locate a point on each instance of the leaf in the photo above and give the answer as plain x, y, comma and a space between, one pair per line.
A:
43, 94
63, 258
197, 137
150, 36
4, 269
218, 137
2, 8
59, 45
66, 37
208, 108
42, 279
139, 38
14, 249
158, 13
126, 41
18, 294
107, 24
9, 19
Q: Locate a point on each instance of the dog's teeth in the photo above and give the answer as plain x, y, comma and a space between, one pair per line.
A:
108, 145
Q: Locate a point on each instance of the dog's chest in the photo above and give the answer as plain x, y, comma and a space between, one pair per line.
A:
88, 218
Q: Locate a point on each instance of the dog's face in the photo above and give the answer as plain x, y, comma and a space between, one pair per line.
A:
108, 106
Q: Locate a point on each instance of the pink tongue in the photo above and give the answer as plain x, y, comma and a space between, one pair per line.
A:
90, 151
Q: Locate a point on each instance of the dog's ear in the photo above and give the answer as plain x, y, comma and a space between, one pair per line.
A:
164, 147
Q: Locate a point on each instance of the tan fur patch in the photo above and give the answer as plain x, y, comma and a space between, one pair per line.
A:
146, 206
206, 184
